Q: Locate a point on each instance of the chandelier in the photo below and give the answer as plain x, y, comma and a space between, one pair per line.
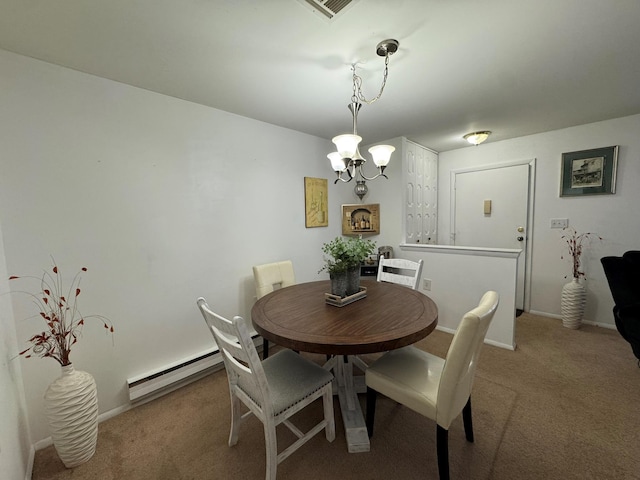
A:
347, 159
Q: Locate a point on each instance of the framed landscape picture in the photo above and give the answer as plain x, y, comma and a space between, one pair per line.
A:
361, 219
315, 202
589, 172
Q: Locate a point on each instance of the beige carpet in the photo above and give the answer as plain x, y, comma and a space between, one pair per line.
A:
564, 405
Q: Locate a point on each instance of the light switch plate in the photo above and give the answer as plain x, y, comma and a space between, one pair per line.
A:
559, 223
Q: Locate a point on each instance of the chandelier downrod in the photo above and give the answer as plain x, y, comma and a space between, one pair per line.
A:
354, 108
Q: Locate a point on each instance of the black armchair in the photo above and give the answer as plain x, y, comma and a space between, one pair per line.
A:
623, 275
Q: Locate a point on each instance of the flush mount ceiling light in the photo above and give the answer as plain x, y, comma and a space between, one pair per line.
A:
476, 138
347, 160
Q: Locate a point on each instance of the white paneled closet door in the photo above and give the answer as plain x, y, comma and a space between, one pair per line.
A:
420, 166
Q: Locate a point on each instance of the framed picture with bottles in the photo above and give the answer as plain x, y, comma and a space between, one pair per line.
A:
315, 202
361, 219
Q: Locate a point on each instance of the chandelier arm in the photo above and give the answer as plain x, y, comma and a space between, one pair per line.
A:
380, 174
342, 179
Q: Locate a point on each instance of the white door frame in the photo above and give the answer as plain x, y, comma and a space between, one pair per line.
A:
530, 205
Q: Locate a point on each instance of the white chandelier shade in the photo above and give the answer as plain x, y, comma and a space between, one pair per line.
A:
347, 144
347, 159
337, 162
381, 154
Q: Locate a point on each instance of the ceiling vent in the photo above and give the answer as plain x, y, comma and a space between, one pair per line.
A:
328, 9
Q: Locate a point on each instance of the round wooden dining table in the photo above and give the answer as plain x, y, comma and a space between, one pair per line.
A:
389, 317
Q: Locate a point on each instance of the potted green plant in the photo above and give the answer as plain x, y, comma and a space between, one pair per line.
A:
343, 257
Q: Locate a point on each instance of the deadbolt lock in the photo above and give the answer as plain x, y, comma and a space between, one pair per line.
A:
521, 229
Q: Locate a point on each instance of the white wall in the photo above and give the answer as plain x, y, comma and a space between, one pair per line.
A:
161, 199
389, 193
459, 277
164, 200
15, 441
613, 217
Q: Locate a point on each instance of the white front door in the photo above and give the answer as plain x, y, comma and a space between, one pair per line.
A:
489, 209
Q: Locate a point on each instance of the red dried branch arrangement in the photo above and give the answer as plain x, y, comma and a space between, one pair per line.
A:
575, 243
61, 315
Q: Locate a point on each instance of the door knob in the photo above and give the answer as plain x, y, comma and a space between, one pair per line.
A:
520, 239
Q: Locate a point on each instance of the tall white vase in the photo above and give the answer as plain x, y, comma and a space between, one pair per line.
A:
574, 296
71, 407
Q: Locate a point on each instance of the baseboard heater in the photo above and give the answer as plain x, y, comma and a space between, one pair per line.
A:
152, 385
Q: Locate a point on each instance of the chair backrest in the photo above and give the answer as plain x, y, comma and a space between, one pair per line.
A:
623, 277
400, 271
632, 256
239, 354
462, 359
271, 276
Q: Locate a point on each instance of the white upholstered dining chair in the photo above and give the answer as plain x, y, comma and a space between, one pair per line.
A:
269, 277
272, 390
400, 271
435, 387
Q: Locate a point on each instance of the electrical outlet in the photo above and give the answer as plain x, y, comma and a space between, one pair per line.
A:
559, 223
426, 284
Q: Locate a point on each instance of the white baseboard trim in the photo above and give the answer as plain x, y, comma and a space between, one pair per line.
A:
545, 314
32, 457
47, 442
488, 342
44, 443
114, 412
500, 345
608, 326
445, 329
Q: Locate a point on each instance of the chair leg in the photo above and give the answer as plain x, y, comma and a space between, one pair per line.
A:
271, 447
468, 422
236, 419
442, 445
372, 395
327, 404
265, 348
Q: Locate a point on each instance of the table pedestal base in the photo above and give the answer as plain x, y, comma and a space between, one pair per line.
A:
347, 388
354, 426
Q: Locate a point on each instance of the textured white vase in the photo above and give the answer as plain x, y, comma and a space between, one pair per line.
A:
71, 406
574, 296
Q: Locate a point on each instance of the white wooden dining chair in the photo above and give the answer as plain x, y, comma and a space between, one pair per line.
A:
435, 387
269, 277
272, 390
400, 271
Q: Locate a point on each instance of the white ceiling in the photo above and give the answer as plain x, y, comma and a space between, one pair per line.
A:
514, 67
